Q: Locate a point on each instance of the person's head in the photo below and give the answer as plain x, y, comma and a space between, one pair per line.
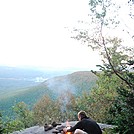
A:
81, 115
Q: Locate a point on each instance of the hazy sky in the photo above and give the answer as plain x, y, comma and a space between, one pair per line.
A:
32, 32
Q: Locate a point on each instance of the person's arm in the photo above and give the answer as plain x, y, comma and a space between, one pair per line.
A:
65, 130
77, 126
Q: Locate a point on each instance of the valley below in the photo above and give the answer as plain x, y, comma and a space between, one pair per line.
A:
28, 86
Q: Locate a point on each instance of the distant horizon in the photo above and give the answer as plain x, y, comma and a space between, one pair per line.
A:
37, 36
50, 68
38, 33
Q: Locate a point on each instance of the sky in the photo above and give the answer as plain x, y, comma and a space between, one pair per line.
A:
33, 33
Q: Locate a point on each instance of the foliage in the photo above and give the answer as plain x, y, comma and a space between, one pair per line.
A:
97, 101
47, 110
117, 60
123, 109
69, 105
63, 106
131, 5
23, 119
75, 82
120, 60
26, 95
12, 125
102, 97
108, 131
61, 109
24, 115
1, 124
107, 16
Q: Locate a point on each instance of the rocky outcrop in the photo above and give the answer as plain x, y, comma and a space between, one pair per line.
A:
41, 130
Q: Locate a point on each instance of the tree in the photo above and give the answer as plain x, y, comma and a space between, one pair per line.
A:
102, 97
69, 105
47, 110
117, 60
24, 115
23, 119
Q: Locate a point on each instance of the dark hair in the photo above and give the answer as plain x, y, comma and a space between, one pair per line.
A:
82, 114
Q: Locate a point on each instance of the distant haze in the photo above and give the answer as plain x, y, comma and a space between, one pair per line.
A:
32, 33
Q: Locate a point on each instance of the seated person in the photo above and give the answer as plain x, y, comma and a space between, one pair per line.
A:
85, 125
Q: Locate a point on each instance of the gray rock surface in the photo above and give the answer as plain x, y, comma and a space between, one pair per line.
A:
40, 129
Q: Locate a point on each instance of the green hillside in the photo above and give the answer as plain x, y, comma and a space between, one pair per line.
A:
75, 82
28, 95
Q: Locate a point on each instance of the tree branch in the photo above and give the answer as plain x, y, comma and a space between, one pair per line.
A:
109, 60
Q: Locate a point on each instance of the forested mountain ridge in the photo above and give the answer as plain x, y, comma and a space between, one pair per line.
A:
76, 83
17, 78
